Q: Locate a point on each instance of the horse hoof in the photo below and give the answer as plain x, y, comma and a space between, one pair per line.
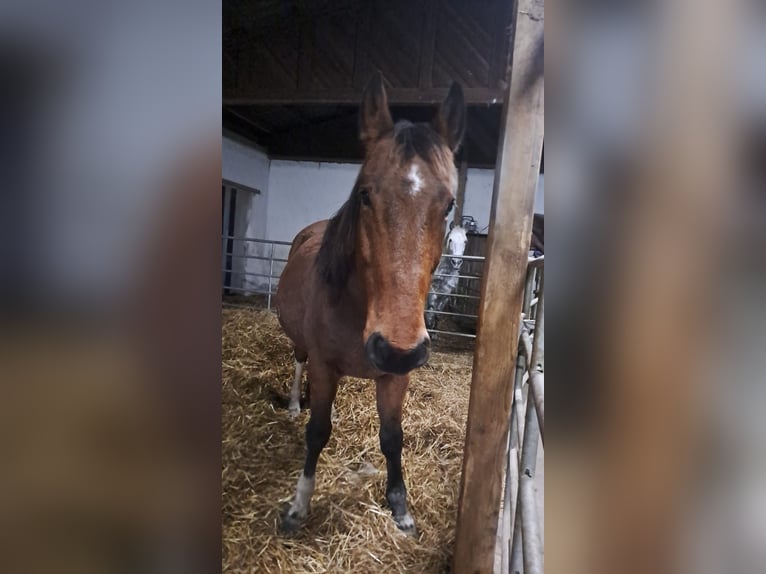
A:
290, 524
406, 525
293, 411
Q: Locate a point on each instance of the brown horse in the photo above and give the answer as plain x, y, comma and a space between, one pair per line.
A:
352, 294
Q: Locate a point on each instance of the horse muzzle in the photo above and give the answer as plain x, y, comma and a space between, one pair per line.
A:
389, 359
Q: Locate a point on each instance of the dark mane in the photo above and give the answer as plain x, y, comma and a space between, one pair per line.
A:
417, 139
336, 257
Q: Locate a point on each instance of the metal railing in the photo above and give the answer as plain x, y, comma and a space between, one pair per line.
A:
268, 288
263, 288
522, 547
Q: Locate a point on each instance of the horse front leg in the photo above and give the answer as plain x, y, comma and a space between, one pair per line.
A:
323, 383
390, 391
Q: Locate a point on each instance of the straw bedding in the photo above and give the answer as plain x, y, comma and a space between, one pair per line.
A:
349, 528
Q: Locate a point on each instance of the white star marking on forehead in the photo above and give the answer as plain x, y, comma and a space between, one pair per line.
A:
416, 181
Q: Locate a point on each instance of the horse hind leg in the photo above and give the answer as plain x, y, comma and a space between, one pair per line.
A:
323, 382
295, 393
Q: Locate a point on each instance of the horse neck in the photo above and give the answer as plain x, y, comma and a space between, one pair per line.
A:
444, 267
353, 292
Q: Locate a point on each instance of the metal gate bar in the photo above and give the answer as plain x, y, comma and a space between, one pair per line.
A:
521, 544
268, 287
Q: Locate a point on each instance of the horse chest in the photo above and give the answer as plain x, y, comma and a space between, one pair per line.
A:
339, 341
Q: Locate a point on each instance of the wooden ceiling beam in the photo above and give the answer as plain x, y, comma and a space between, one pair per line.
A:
411, 96
250, 121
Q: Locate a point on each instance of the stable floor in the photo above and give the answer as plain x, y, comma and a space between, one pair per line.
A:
349, 529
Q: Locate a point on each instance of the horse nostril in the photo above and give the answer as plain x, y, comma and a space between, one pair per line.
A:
376, 348
392, 360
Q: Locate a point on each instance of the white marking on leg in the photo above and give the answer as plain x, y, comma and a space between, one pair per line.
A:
405, 522
416, 181
303, 492
295, 393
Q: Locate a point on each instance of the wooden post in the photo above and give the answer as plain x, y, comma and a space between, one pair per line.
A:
516, 176
462, 178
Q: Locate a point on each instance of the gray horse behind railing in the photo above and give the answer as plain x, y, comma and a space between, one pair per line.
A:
446, 276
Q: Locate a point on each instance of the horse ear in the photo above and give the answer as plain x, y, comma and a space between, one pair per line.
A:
374, 116
450, 121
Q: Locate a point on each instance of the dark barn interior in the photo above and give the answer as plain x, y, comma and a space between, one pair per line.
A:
294, 70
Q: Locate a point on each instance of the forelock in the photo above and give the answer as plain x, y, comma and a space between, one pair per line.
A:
419, 140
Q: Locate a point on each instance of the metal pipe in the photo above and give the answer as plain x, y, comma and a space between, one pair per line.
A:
519, 400
526, 550
516, 433
454, 333
536, 380
435, 312
538, 343
458, 276
232, 255
517, 554
530, 537
271, 272
537, 386
252, 274
253, 291
531, 544
519, 408
509, 498
256, 240
457, 295
528, 284
526, 343
466, 257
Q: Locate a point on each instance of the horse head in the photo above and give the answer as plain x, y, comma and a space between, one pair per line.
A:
390, 231
456, 241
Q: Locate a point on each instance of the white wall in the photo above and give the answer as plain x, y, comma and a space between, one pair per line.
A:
478, 196
305, 192
249, 166
297, 193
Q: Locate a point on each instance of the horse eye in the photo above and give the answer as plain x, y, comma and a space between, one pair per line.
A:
364, 193
449, 208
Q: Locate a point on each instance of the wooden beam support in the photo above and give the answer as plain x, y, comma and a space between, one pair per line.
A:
462, 178
499, 57
513, 196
